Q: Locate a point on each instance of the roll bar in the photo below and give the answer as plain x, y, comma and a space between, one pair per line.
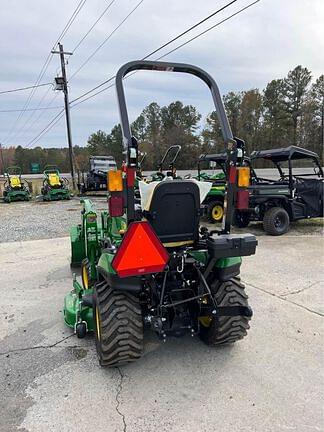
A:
130, 143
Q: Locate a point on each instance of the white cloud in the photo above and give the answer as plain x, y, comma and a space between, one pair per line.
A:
262, 43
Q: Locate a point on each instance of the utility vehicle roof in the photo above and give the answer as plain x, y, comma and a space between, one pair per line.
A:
284, 154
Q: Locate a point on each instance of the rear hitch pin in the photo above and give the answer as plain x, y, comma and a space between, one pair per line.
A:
180, 270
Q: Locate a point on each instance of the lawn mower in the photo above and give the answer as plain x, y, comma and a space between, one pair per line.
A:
55, 187
15, 188
171, 154
96, 178
152, 265
294, 195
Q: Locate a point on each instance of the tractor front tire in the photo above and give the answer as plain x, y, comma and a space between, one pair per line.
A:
118, 326
276, 221
215, 211
226, 329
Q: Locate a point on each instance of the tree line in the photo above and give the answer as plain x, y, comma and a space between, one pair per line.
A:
288, 111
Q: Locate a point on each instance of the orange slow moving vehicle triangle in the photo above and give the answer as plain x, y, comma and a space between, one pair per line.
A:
140, 252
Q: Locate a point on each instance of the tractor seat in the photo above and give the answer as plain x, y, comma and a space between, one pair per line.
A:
53, 180
174, 211
15, 182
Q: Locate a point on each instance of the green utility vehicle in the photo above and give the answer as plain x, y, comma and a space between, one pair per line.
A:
55, 187
296, 193
213, 204
154, 266
15, 188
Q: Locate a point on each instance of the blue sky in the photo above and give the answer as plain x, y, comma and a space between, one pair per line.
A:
262, 43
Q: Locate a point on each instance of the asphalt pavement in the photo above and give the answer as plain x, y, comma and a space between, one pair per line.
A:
271, 381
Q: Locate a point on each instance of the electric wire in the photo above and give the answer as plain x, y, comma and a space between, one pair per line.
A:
93, 26
73, 102
45, 66
160, 47
25, 88
106, 40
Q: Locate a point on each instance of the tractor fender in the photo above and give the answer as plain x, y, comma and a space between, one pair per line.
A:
105, 271
227, 268
130, 284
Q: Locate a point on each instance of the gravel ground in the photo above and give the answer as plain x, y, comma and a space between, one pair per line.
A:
39, 220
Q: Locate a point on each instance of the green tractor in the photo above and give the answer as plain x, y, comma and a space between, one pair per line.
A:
15, 188
153, 266
55, 187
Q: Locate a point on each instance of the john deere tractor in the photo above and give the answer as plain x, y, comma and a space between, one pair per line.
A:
55, 187
15, 188
152, 265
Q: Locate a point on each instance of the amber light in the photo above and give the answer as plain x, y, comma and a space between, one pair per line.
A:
243, 177
140, 252
115, 181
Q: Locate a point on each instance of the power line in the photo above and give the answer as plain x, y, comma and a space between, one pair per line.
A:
24, 88
46, 64
209, 29
70, 22
32, 109
73, 104
46, 128
93, 26
106, 40
159, 48
189, 29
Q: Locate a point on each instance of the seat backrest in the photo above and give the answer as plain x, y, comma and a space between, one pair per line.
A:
174, 212
53, 179
15, 182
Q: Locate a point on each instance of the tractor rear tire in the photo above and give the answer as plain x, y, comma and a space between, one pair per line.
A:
118, 326
276, 221
215, 211
227, 329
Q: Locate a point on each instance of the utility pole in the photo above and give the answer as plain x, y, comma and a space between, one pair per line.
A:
2, 162
62, 85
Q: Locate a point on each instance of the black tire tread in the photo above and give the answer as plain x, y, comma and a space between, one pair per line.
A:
121, 326
268, 226
227, 330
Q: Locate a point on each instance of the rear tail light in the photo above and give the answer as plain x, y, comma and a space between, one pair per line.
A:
242, 199
115, 205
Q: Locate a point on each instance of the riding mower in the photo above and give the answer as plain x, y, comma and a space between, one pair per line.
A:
153, 266
15, 188
171, 153
55, 187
